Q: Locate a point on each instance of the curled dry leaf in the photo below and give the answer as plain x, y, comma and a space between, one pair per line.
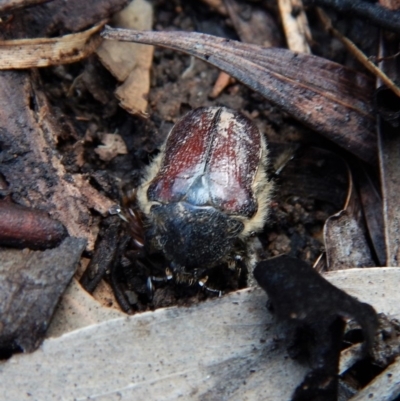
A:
330, 98
43, 52
130, 63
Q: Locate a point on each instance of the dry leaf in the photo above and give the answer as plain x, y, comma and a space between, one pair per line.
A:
43, 52
224, 349
331, 99
130, 63
78, 309
112, 145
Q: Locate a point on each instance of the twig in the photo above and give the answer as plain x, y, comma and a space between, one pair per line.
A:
375, 13
358, 54
295, 25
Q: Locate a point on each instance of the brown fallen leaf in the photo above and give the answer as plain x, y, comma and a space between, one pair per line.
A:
130, 63
31, 283
43, 52
331, 99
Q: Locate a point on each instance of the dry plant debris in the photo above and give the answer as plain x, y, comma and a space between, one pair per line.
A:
59, 156
130, 63
42, 52
203, 351
309, 88
31, 285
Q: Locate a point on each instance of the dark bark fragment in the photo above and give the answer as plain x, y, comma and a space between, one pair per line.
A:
103, 256
313, 310
31, 165
60, 17
31, 283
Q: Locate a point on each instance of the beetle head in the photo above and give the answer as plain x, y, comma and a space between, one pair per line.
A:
192, 236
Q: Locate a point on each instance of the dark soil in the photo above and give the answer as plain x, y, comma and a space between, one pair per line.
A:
82, 94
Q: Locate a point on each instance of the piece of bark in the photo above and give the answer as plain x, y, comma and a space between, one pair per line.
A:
31, 165
224, 349
103, 256
60, 17
130, 63
326, 96
31, 284
303, 298
7, 6
385, 387
22, 227
43, 52
345, 242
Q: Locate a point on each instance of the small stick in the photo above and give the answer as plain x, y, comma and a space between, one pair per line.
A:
358, 54
295, 25
23, 227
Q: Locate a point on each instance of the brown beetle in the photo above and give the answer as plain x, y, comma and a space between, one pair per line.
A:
206, 192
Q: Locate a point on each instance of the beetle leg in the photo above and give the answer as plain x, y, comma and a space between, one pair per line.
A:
154, 279
202, 284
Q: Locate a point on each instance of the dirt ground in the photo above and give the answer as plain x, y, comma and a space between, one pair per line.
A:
301, 203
